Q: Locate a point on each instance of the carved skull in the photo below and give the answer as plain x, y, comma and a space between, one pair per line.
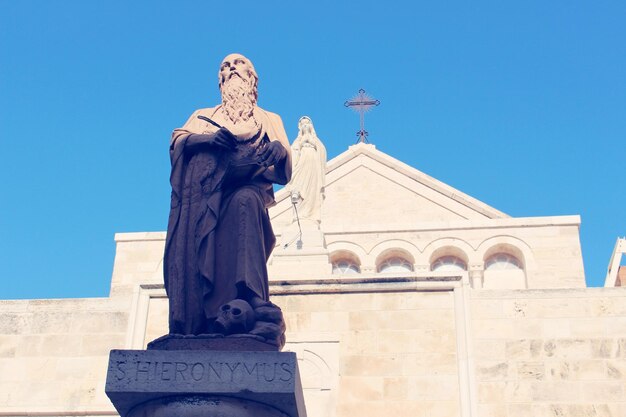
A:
236, 316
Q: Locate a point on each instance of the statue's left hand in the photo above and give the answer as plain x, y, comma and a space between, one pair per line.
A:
273, 153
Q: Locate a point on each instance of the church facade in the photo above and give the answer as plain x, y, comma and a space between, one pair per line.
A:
408, 298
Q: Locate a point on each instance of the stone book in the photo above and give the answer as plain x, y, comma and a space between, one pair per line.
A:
241, 171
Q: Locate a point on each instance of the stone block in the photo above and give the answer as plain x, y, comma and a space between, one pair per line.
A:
591, 327
416, 341
616, 369
372, 365
621, 348
428, 364
556, 328
361, 388
357, 342
395, 389
582, 370
566, 348
49, 345
434, 388
518, 349
486, 309
603, 391
79, 368
14, 323
269, 378
530, 370
101, 344
401, 320
603, 307
518, 391
491, 392
329, 321
558, 391
492, 410
440, 408
602, 348
617, 326
94, 322
494, 371
423, 300
365, 408
8, 345
51, 322
507, 328
616, 409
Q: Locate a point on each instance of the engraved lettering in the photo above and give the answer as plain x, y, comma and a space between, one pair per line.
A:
156, 366
142, 370
232, 370
287, 370
250, 371
218, 374
197, 371
265, 373
181, 367
166, 370
121, 373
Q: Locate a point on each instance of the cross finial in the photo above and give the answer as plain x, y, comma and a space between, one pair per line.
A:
361, 103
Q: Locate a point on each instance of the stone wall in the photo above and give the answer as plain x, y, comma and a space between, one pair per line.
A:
396, 346
54, 354
363, 352
550, 353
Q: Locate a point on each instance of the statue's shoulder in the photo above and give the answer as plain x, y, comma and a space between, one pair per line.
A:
209, 111
274, 117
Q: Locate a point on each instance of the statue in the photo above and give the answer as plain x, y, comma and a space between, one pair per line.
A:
309, 171
219, 237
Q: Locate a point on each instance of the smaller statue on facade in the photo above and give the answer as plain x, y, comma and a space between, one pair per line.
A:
309, 172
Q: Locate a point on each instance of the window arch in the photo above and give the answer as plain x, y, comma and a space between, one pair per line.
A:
345, 263
504, 268
345, 267
395, 264
502, 261
395, 260
448, 263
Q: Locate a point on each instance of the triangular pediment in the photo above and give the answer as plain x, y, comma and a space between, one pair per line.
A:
366, 187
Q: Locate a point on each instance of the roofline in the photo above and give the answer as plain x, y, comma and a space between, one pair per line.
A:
413, 173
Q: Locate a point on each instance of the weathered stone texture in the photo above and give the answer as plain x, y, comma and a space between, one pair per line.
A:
560, 355
53, 353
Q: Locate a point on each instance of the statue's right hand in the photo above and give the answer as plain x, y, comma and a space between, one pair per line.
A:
225, 139
222, 139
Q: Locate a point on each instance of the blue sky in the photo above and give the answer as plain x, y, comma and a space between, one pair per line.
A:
519, 104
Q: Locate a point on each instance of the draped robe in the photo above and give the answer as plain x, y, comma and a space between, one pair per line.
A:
219, 236
309, 175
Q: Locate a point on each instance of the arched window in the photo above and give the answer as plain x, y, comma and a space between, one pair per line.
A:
345, 263
448, 264
395, 264
504, 271
502, 261
345, 267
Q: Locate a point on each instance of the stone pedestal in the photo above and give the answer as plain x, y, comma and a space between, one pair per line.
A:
194, 383
302, 253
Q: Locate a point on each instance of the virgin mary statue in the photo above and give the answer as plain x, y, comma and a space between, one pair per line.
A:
309, 172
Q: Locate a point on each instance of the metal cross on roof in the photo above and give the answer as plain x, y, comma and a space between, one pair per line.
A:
361, 103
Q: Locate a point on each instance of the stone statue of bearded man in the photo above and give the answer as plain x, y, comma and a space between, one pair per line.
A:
219, 237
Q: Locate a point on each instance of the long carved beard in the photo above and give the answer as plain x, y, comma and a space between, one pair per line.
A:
238, 99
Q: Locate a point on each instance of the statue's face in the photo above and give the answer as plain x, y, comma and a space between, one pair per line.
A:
235, 65
304, 124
